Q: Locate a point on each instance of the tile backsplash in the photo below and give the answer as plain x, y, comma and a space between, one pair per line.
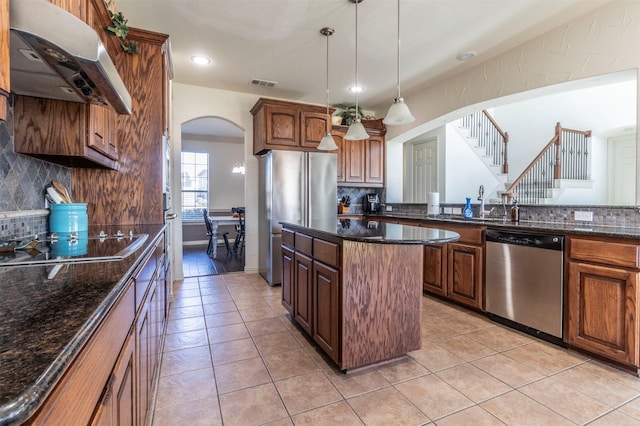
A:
602, 215
357, 195
22, 183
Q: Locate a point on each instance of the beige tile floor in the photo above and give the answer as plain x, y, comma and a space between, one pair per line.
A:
232, 357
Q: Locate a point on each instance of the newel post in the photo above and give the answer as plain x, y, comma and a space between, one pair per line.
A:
505, 162
557, 168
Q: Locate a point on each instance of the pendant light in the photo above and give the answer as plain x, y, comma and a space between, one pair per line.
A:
327, 143
356, 131
399, 111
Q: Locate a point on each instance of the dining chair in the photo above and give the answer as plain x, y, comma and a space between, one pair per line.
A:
239, 240
209, 227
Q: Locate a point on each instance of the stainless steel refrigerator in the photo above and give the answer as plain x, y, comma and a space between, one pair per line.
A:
299, 187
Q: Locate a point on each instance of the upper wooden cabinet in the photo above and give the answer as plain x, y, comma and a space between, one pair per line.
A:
4, 58
287, 125
68, 133
360, 163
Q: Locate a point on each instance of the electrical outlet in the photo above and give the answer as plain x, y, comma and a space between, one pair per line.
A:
584, 216
447, 210
389, 208
457, 210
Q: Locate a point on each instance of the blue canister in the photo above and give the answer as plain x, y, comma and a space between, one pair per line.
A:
67, 218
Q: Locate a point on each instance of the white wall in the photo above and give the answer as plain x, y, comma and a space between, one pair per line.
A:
189, 102
600, 42
226, 189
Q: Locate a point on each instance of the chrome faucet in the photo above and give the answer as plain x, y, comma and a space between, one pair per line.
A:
483, 212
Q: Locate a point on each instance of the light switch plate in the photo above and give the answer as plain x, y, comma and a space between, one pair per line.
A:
389, 208
457, 210
581, 215
447, 210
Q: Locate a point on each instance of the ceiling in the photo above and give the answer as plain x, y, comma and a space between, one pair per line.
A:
280, 41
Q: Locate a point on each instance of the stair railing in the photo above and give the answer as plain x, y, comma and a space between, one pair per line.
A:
564, 157
490, 137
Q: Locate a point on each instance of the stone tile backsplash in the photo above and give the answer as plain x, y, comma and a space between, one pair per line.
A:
607, 216
357, 196
22, 184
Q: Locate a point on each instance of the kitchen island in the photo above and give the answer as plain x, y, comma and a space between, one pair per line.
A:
355, 286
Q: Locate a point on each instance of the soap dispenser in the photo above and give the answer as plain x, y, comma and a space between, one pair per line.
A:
515, 211
467, 212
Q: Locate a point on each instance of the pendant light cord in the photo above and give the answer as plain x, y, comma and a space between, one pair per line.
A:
328, 119
357, 88
398, 49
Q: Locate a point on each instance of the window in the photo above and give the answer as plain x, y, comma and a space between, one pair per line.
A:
194, 184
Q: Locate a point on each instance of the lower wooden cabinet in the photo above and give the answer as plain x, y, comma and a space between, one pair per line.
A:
603, 311
117, 406
287, 278
302, 292
326, 308
464, 274
456, 270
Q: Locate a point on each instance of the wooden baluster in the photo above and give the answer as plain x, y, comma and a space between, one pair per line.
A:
505, 161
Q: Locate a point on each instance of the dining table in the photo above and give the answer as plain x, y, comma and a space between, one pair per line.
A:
217, 221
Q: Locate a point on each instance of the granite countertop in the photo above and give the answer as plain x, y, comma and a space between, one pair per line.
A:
371, 230
579, 228
44, 323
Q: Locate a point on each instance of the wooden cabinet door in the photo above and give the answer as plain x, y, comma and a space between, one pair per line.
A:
603, 311
313, 126
144, 362
282, 126
435, 269
4, 58
338, 137
117, 406
303, 291
464, 274
374, 160
326, 291
354, 161
288, 275
102, 131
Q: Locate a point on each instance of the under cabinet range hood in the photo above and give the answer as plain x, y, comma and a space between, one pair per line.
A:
55, 55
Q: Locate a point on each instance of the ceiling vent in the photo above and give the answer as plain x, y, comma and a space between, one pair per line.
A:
263, 83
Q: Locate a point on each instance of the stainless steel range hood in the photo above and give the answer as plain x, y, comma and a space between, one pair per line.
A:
55, 55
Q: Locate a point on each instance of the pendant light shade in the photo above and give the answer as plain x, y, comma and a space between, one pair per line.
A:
356, 130
399, 111
327, 143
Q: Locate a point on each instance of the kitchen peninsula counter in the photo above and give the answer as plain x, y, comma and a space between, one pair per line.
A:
354, 285
47, 319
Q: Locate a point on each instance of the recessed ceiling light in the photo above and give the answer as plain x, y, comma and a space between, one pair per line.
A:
355, 89
201, 60
465, 56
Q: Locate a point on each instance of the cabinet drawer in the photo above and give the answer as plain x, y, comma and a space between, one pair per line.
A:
609, 253
304, 244
288, 237
326, 252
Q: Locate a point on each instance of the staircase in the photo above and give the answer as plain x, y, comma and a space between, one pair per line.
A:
562, 164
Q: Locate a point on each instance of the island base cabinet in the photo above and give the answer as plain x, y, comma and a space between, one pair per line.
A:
287, 278
302, 308
603, 311
326, 291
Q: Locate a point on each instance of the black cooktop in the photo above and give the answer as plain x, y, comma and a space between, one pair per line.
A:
74, 247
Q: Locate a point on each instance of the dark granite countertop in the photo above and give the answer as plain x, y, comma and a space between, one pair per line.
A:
568, 228
371, 230
44, 323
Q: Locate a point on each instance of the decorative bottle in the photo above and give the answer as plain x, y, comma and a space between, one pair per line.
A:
515, 211
467, 212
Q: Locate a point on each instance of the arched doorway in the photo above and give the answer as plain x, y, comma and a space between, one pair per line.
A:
211, 174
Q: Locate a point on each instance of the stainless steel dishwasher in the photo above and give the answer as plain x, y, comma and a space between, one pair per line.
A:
524, 281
